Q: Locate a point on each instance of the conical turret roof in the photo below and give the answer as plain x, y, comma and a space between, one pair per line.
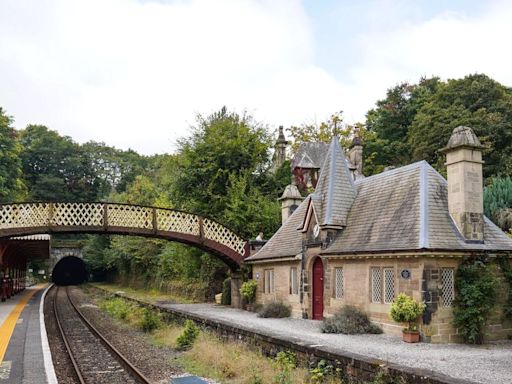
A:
335, 191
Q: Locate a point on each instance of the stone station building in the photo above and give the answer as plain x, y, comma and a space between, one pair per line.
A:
361, 241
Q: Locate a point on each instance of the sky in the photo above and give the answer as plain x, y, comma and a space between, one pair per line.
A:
135, 74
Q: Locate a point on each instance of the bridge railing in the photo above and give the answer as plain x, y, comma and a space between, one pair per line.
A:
105, 216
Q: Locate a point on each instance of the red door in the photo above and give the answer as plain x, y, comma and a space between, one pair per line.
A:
318, 289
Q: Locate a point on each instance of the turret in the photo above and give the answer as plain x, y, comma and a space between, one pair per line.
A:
290, 200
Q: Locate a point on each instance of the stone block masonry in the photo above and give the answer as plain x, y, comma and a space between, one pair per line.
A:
353, 367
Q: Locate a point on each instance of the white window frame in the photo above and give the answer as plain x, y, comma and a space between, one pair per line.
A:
388, 287
339, 286
379, 290
448, 278
294, 281
268, 280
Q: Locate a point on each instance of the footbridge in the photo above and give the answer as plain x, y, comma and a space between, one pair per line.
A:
124, 219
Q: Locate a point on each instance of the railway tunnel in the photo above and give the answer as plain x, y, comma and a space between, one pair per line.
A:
69, 270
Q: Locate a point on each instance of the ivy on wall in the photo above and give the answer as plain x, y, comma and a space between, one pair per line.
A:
507, 273
477, 286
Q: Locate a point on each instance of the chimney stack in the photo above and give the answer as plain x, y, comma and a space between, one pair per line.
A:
290, 200
465, 183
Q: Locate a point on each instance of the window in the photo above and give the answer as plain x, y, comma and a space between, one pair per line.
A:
447, 290
269, 280
294, 285
339, 283
389, 285
382, 285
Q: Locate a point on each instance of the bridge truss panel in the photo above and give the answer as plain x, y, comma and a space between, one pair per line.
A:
77, 214
24, 215
129, 216
219, 233
176, 221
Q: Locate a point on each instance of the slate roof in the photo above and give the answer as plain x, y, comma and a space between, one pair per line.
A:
310, 155
405, 209
287, 241
335, 191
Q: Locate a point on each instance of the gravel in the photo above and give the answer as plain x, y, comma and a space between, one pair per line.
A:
489, 363
156, 363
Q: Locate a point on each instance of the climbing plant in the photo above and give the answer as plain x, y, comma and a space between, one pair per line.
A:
506, 269
476, 285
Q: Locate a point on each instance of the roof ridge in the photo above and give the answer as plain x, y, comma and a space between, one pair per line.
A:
392, 171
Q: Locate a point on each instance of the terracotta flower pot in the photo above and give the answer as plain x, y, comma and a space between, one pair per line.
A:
410, 336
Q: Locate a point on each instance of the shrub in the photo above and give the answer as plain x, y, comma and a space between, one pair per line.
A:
476, 286
149, 320
274, 309
188, 336
406, 310
226, 292
248, 290
116, 307
349, 320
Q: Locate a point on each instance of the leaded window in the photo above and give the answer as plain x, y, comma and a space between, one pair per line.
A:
389, 285
294, 286
376, 285
448, 289
269, 280
339, 283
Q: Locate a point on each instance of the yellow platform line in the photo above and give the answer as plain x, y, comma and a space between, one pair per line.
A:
9, 324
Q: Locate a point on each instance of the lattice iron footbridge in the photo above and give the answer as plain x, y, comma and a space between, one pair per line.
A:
124, 219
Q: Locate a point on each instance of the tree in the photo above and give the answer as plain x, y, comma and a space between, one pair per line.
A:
54, 167
387, 125
498, 202
12, 187
323, 132
221, 145
476, 101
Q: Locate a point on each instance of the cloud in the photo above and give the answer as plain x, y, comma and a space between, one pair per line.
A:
449, 45
135, 73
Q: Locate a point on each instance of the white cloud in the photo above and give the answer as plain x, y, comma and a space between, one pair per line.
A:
450, 45
134, 73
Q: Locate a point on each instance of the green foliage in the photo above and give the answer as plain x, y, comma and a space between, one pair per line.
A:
188, 336
498, 202
476, 101
406, 310
349, 320
414, 121
149, 321
506, 269
285, 362
226, 292
476, 285
323, 132
116, 307
248, 290
274, 309
12, 187
322, 371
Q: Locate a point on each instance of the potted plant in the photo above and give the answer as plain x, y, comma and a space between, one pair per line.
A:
248, 292
407, 310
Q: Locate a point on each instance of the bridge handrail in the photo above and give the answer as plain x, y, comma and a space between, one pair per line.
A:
119, 215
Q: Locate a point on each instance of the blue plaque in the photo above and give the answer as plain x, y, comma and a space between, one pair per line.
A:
406, 274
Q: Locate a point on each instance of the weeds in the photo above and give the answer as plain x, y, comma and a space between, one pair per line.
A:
188, 337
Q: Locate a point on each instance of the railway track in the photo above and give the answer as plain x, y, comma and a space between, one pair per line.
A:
94, 359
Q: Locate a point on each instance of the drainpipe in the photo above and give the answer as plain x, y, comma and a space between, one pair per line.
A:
302, 283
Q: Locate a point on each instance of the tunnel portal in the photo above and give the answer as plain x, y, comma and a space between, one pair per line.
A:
70, 270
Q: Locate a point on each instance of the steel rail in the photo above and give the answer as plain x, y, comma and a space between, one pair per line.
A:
65, 339
130, 367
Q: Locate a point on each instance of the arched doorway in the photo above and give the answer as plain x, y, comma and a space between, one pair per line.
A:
318, 289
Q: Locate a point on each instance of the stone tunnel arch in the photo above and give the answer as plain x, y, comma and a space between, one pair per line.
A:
70, 270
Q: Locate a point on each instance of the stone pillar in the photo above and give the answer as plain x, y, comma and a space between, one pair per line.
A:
465, 184
236, 283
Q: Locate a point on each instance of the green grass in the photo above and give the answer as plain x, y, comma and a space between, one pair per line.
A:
150, 296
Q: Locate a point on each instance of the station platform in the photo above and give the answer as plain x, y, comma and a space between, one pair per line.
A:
24, 353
